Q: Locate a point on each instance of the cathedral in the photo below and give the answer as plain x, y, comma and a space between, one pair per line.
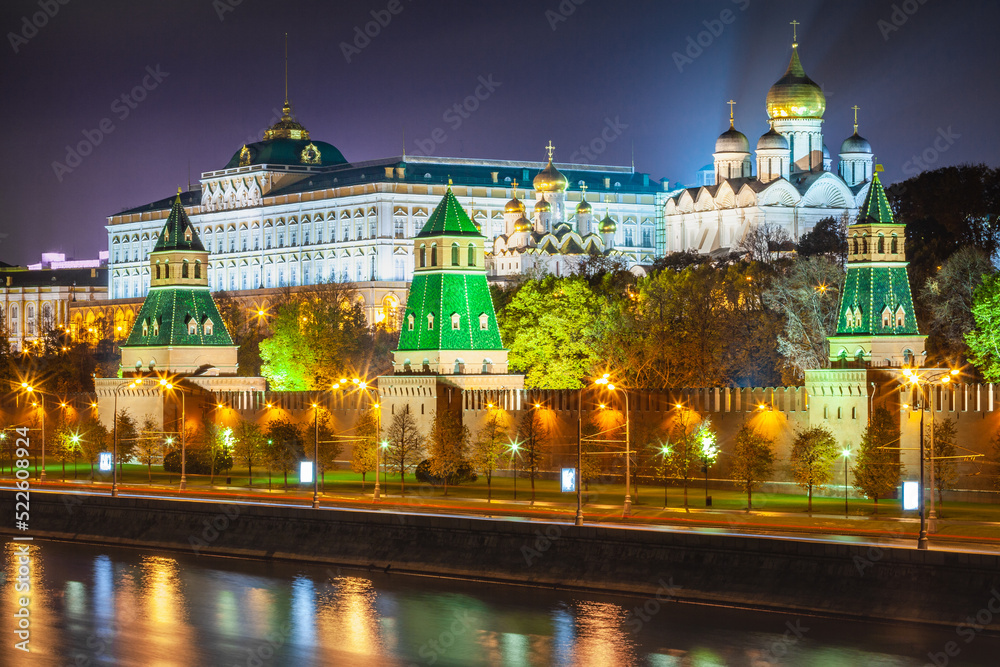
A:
787, 184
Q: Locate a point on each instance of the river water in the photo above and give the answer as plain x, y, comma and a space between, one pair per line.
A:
97, 605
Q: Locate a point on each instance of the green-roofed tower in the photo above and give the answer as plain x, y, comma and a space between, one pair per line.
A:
179, 329
876, 322
449, 325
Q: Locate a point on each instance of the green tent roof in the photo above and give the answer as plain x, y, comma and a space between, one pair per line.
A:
172, 234
876, 206
166, 313
449, 218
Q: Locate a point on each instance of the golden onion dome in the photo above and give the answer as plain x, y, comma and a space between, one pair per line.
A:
795, 95
542, 206
608, 225
522, 225
550, 179
584, 207
515, 205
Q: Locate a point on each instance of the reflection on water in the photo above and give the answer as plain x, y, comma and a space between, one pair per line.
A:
94, 605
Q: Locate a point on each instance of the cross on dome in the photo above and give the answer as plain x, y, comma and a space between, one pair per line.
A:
855, 107
550, 148
731, 104
795, 34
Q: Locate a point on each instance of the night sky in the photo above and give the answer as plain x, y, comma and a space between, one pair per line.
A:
221, 82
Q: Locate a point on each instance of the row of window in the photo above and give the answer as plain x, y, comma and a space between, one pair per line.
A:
456, 321
192, 326
185, 272
878, 247
14, 320
852, 317
456, 253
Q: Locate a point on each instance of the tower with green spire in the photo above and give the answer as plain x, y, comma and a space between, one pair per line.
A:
179, 329
876, 322
449, 326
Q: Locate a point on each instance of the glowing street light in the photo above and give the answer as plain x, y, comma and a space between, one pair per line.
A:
627, 506
846, 453
41, 399
514, 455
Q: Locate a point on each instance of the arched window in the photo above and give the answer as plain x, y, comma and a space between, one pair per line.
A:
145, 327
423, 256
855, 245
484, 322
156, 327
886, 317
184, 269
15, 320
166, 270
157, 270
434, 254
207, 327
454, 254
197, 269
430, 321
864, 245
192, 327
881, 244
472, 254
409, 322
894, 245
456, 321
900, 317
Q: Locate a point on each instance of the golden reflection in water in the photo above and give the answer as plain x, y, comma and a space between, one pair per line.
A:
40, 607
601, 638
165, 629
258, 612
346, 618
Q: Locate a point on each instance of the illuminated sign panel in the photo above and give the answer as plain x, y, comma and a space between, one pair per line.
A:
911, 495
568, 479
305, 472
104, 460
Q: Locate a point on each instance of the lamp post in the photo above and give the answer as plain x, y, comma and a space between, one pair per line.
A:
169, 386
315, 454
114, 437
41, 404
514, 456
362, 385
578, 520
921, 383
846, 454
627, 506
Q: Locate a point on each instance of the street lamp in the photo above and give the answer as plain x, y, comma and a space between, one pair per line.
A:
362, 385
665, 452
709, 452
627, 507
921, 383
315, 406
514, 455
170, 386
41, 404
846, 454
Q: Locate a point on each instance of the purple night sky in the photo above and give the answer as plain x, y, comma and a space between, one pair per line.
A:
222, 81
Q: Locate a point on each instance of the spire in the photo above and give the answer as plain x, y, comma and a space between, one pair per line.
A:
449, 218
178, 233
876, 206
286, 70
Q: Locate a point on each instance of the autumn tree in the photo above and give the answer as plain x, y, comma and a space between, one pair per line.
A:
683, 450
364, 454
548, 326
246, 327
945, 453
807, 293
814, 452
249, 444
532, 436
406, 444
752, 460
488, 447
449, 444
94, 439
877, 468
148, 447
285, 446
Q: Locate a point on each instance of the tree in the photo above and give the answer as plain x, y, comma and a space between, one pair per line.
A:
148, 447
706, 440
683, 452
984, 339
764, 243
328, 445
249, 445
753, 458
948, 298
808, 294
814, 452
945, 472
877, 468
548, 326
217, 447
128, 437
489, 446
827, 238
285, 446
449, 444
247, 329
532, 436
364, 454
406, 444
94, 439
65, 442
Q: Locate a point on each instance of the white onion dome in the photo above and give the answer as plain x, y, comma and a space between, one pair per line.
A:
772, 140
855, 144
732, 141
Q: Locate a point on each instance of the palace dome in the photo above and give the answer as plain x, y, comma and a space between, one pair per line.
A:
287, 143
772, 140
855, 144
795, 95
732, 141
550, 179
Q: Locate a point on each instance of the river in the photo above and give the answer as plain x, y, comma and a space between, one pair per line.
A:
104, 605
